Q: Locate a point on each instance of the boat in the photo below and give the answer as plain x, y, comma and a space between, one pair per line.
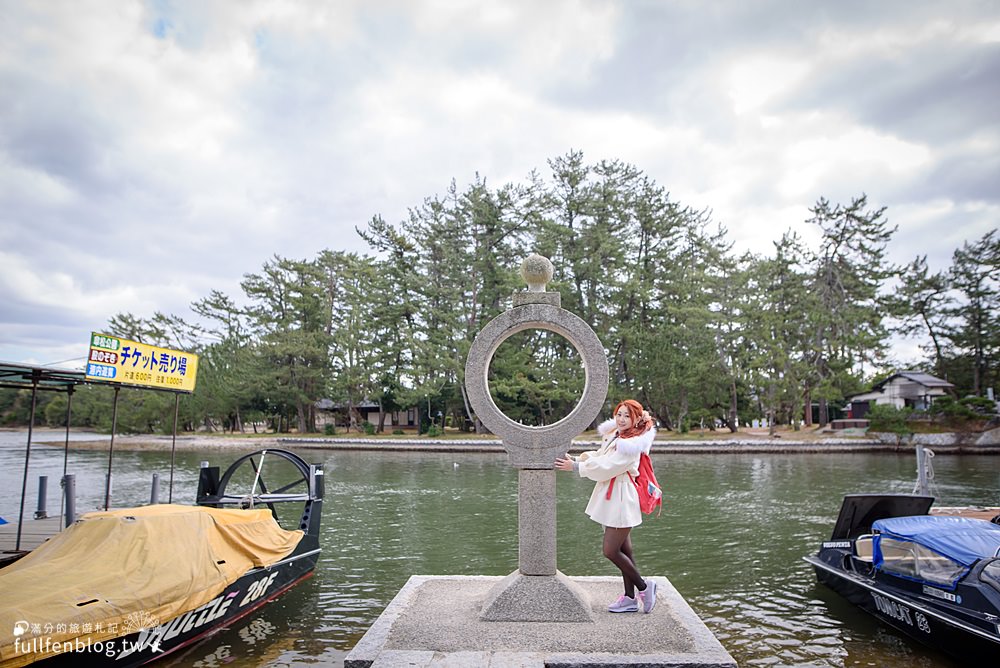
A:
935, 578
130, 586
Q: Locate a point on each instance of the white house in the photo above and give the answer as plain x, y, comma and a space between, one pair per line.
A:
328, 412
904, 388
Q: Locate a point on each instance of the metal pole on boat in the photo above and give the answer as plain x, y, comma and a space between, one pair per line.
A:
154, 493
922, 487
35, 375
69, 414
111, 450
43, 490
69, 489
173, 449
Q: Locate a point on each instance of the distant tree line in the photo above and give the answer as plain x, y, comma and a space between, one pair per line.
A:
699, 332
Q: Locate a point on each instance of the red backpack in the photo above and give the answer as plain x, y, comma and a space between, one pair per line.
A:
650, 494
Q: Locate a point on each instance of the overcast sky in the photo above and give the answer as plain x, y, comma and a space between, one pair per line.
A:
153, 151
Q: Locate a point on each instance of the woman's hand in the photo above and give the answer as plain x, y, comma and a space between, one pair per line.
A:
564, 463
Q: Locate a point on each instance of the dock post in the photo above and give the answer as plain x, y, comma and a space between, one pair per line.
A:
154, 495
43, 487
922, 487
69, 490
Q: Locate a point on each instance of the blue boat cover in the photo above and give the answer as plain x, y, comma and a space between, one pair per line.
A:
961, 539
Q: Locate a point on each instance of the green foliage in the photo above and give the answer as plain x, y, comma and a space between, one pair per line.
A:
369, 428
847, 307
536, 377
962, 410
887, 418
974, 325
434, 431
980, 405
329, 430
398, 432
691, 329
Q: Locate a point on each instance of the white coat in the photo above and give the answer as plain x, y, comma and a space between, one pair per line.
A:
615, 460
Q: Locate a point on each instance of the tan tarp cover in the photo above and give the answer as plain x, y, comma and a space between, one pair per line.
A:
154, 561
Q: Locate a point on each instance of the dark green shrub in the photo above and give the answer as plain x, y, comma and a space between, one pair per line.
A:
888, 418
979, 405
369, 428
398, 432
951, 410
434, 431
329, 430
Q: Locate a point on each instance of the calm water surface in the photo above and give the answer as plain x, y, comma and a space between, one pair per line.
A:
730, 540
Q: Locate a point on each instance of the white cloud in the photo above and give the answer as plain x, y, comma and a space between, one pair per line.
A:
754, 81
152, 152
834, 151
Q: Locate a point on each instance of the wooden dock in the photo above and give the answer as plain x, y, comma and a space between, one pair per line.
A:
975, 512
33, 534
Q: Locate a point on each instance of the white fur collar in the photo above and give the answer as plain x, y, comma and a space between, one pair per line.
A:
628, 446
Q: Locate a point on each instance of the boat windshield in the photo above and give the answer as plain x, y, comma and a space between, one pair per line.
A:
933, 549
991, 574
916, 562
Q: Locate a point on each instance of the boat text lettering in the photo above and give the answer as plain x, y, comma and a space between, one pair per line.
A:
890, 608
258, 588
193, 619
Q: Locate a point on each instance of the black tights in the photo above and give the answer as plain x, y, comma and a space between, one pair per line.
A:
618, 549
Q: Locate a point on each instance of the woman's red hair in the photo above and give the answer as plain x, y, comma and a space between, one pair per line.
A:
635, 410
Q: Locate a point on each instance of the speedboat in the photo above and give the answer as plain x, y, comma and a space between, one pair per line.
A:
130, 586
936, 578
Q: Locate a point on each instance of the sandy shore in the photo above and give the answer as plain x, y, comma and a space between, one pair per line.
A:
156, 442
747, 440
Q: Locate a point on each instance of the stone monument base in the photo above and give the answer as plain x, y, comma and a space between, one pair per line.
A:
435, 621
536, 598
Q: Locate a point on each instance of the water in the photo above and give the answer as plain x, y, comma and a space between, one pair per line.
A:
730, 539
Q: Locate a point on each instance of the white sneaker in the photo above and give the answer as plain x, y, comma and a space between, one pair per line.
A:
624, 604
648, 597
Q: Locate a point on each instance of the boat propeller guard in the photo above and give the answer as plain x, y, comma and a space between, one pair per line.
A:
298, 482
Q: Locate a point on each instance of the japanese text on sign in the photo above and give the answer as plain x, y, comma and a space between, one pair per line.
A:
130, 362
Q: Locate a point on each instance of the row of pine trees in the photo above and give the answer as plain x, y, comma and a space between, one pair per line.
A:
696, 329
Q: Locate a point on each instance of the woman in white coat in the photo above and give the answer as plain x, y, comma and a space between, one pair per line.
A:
615, 502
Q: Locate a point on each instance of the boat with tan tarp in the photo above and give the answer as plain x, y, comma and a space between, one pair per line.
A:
128, 586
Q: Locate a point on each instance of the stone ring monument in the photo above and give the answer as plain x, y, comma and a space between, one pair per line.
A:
537, 447
453, 620
536, 591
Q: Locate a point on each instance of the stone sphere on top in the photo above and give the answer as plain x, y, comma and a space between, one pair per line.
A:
536, 270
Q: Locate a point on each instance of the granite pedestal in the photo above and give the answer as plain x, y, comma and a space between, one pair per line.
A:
435, 621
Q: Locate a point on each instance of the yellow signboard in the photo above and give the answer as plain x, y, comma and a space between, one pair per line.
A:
119, 360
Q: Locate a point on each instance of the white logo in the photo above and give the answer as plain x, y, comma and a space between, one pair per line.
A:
140, 621
20, 628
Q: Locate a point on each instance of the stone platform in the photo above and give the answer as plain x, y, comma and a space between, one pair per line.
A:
435, 621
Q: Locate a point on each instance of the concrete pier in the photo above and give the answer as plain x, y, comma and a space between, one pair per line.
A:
435, 621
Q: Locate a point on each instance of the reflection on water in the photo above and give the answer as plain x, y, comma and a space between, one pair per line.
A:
730, 539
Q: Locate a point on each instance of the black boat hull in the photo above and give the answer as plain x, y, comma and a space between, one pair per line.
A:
248, 593
920, 622
154, 639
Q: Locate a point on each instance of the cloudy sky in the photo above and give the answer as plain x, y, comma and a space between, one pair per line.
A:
153, 151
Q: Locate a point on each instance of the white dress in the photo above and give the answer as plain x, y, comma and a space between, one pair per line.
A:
615, 460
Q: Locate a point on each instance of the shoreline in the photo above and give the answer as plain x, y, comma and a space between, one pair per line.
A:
364, 444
